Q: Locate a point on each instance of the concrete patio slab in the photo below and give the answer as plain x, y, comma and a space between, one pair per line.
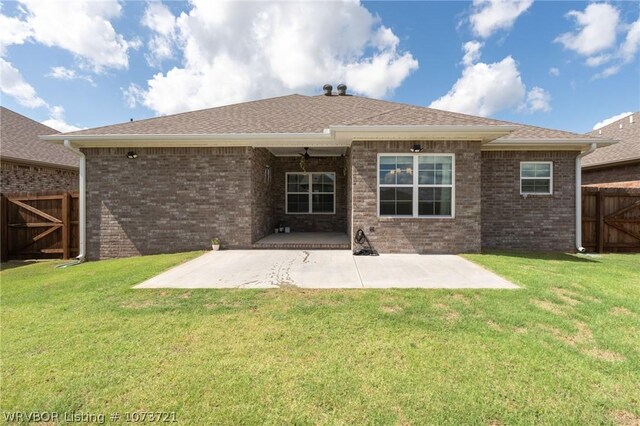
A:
325, 269
425, 271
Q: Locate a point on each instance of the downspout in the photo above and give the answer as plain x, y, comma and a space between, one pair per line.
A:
82, 198
592, 148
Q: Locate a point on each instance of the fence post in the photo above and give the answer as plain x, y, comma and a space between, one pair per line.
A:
66, 211
600, 221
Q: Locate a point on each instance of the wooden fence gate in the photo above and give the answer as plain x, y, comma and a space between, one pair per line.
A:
41, 225
611, 219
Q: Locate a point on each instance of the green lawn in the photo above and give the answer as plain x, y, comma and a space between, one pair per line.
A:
563, 349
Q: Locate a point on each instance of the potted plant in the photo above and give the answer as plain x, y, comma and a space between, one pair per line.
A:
215, 243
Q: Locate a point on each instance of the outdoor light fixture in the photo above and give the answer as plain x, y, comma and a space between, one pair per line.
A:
416, 148
131, 155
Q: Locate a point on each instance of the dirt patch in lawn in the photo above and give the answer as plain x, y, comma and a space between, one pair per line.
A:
618, 311
548, 306
583, 339
138, 305
625, 418
391, 309
494, 326
582, 336
448, 314
566, 296
461, 298
604, 355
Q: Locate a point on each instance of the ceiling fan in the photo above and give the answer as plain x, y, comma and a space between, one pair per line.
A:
306, 155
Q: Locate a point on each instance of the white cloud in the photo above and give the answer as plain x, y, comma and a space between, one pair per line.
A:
596, 61
471, 52
14, 85
133, 95
631, 44
82, 27
63, 73
611, 120
161, 21
538, 99
595, 38
485, 89
56, 121
607, 72
490, 16
233, 52
554, 72
596, 29
14, 31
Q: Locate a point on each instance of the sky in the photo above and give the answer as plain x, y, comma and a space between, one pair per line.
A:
81, 64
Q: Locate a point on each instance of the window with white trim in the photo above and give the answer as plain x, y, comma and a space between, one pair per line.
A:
427, 193
310, 193
536, 177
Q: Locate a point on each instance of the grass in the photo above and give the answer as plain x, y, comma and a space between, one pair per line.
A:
563, 349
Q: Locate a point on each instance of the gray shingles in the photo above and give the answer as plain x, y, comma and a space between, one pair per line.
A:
19, 140
309, 114
628, 148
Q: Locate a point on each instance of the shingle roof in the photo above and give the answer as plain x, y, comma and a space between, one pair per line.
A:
624, 130
309, 114
19, 141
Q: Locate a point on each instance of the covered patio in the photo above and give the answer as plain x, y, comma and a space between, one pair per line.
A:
301, 198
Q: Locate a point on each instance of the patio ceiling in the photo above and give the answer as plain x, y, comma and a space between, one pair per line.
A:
317, 151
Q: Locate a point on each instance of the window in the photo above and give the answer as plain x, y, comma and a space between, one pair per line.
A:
427, 193
311, 193
536, 177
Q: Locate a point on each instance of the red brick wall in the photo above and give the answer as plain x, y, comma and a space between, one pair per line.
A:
537, 222
611, 174
418, 235
311, 222
16, 177
167, 200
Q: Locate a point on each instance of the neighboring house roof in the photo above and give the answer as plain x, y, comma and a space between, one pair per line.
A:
298, 114
19, 137
627, 131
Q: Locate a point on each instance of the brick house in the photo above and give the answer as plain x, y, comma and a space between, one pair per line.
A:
416, 180
29, 164
619, 164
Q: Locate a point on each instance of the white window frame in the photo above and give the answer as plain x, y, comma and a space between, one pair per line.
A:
416, 186
550, 178
310, 192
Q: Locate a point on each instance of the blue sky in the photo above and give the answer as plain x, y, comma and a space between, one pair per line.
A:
563, 65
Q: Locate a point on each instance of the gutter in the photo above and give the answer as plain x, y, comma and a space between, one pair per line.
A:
82, 198
592, 148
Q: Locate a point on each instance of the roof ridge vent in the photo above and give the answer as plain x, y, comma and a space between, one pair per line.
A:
327, 89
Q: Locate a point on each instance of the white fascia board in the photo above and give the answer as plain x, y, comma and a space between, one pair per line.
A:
545, 144
481, 133
220, 140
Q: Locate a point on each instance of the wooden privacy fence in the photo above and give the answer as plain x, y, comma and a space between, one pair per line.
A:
611, 219
41, 225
